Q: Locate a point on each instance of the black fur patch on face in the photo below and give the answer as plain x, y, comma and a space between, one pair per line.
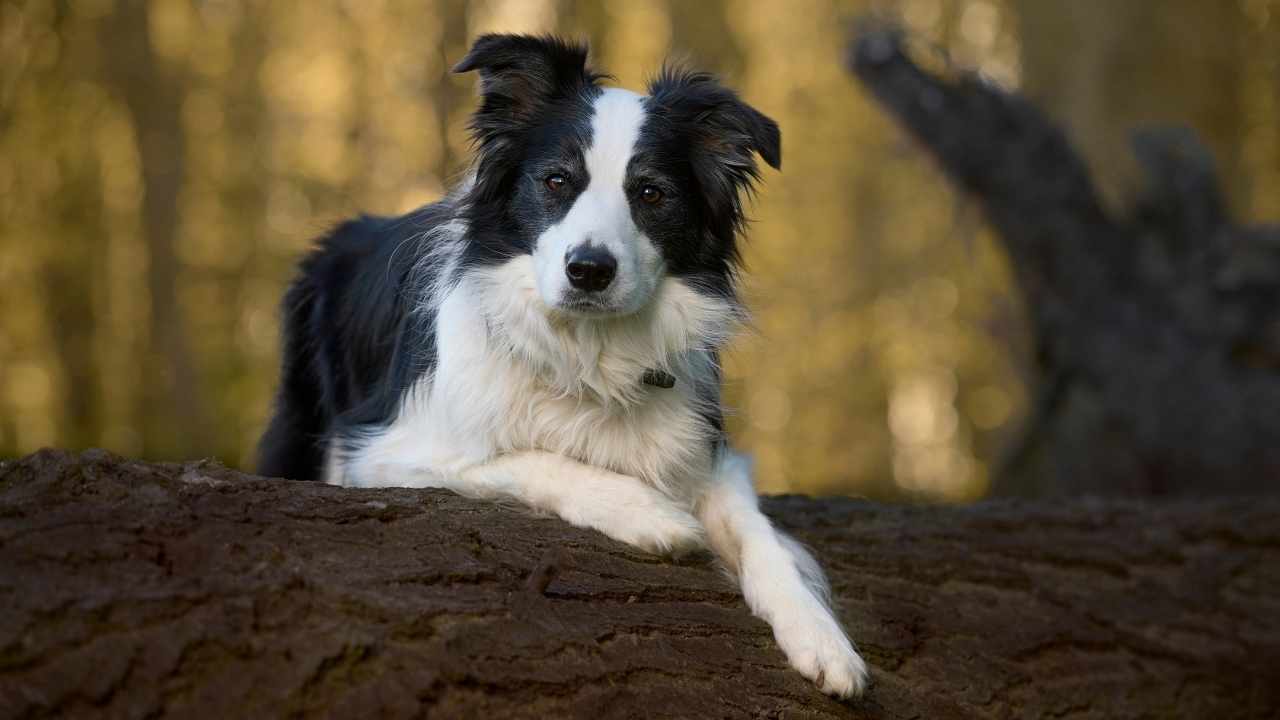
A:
698, 146
534, 122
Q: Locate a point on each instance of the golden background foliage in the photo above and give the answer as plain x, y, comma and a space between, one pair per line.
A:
163, 164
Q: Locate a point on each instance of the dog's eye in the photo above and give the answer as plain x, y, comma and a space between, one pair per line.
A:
555, 182
651, 194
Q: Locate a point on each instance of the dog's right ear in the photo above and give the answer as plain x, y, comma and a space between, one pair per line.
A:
521, 74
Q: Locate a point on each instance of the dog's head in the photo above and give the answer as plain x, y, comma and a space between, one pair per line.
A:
608, 191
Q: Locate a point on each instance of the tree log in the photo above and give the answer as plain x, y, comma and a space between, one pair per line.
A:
1157, 334
133, 590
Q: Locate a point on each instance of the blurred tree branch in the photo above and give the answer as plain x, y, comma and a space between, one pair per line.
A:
1158, 333
1131, 65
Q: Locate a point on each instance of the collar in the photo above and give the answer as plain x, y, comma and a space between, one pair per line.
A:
659, 378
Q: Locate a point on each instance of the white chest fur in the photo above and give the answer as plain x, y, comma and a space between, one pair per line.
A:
511, 376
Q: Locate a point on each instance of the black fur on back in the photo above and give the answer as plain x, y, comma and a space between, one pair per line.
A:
351, 341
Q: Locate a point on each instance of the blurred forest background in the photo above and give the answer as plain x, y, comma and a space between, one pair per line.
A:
164, 164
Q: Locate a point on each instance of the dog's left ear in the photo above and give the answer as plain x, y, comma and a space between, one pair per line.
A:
724, 132
722, 123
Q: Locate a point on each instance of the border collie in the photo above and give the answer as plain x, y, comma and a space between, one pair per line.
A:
550, 331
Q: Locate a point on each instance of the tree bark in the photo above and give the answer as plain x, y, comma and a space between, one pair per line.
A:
132, 589
1157, 333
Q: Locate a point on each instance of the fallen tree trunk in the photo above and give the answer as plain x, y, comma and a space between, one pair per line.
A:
131, 589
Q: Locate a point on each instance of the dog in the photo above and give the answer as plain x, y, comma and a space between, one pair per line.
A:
550, 331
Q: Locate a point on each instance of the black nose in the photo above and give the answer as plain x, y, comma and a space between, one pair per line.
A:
590, 268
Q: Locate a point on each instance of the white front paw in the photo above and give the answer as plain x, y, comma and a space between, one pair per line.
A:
643, 518
817, 647
661, 528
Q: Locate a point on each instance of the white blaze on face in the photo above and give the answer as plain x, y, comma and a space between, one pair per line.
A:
601, 215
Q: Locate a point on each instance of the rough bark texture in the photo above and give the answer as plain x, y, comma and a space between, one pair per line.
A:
131, 590
1157, 334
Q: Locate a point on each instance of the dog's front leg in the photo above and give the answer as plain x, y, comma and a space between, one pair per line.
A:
622, 507
780, 581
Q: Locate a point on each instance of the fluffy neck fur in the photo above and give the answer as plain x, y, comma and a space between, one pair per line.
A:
602, 359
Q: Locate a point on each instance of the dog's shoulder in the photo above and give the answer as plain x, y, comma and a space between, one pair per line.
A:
350, 313
372, 261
